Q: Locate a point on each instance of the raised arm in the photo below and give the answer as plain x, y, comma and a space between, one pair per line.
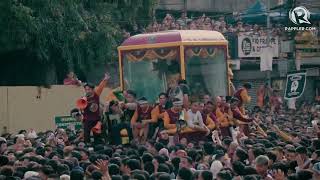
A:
134, 118
98, 90
155, 114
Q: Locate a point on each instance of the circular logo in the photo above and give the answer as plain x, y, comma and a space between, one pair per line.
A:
93, 107
246, 46
299, 15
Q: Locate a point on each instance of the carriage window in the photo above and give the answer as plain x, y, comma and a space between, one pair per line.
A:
148, 72
206, 71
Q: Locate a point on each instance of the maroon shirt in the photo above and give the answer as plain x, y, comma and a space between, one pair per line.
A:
144, 115
211, 115
238, 96
237, 114
92, 111
174, 116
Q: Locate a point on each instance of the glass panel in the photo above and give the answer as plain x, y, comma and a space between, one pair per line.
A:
148, 77
207, 74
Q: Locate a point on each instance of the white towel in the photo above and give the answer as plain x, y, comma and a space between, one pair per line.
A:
266, 57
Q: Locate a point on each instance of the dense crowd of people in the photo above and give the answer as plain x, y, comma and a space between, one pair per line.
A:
205, 23
205, 139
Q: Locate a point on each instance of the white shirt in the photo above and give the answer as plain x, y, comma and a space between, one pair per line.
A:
194, 119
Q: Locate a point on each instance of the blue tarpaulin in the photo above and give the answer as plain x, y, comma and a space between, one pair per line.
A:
257, 14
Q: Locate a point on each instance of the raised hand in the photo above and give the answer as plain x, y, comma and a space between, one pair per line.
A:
107, 76
102, 165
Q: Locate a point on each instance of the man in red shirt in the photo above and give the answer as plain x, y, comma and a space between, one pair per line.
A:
91, 113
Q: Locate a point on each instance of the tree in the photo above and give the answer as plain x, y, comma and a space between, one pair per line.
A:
41, 40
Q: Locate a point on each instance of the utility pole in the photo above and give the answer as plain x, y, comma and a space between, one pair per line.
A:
268, 38
185, 11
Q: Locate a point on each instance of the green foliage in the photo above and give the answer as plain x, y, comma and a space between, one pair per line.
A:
68, 34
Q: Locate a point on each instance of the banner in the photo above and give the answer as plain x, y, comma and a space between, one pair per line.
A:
67, 122
252, 45
296, 82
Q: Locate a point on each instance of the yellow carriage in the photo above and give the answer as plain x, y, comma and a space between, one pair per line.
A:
150, 62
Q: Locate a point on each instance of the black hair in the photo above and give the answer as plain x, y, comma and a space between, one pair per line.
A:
47, 170
149, 167
74, 110
185, 174
247, 85
292, 177
175, 162
116, 177
208, 148
238, 167
242, 155
6, 171
96, 175
171, 168
143, 99
301, 150
76, 154
258, 151
3, 160
76, 174
304, 174
147, 157
251, 177
160, 159
316, 144
210, 102
249, 170
158, 146
225, 175
206, 175
115, 161
18, 174
227, 141
53, 176
164, 176
142, 150
133, 164
114, 169
40, 151
163, 168
91, 86
182, 81
163, 94
272, 156
53, 164
22, 131
280, 165
139, 176
317, 152
63, 169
